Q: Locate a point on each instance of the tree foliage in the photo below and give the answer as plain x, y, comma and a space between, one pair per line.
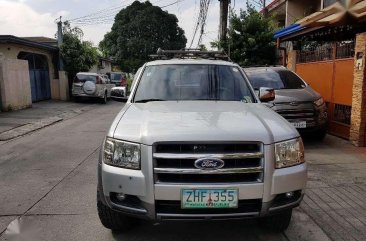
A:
78, 55
138, 31
250, 38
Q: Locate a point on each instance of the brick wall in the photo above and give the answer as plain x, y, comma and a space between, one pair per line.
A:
358, 117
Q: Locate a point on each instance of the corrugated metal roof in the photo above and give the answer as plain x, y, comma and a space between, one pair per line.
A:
26, 42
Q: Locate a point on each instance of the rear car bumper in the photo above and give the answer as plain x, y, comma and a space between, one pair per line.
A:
81, 94
148, 200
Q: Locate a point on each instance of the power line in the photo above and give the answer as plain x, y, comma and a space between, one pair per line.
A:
201, 21
96, 13
171, 4
107, 18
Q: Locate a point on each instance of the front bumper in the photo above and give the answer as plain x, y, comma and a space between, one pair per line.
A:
145, 196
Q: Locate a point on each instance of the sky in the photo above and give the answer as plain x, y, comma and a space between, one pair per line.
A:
25, 18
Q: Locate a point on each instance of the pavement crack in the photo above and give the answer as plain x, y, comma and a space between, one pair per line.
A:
53, 214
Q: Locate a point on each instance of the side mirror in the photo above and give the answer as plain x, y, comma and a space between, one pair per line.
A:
119, 94
266, 94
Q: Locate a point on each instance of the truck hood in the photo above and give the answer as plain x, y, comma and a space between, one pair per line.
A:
180, 121
285, 96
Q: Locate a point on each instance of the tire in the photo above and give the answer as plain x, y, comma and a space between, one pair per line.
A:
320, 135
89, 88
105, 98
114, 220
278, 222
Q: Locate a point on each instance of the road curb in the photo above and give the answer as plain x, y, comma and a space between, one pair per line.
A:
25, 129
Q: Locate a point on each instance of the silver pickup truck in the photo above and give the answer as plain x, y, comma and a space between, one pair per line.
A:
194, 142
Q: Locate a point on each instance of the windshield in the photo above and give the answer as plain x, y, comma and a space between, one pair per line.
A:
192, 82
83, 78
116, 76
274, 78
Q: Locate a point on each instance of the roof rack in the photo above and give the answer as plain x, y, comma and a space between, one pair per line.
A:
190, 54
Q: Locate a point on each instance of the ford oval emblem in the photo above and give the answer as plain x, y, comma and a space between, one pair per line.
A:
209, 163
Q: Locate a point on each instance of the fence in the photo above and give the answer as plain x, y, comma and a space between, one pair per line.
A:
326, 51
329, 70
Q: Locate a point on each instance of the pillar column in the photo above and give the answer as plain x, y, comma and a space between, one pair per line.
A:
358, 115
291, 60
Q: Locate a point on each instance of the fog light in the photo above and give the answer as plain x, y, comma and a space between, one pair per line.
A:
289, 195
120, 196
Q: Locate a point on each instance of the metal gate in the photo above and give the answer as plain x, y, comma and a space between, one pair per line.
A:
38, 75
330, 72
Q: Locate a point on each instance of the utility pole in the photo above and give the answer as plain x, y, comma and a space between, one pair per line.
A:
224, 9
60, 41
264, 10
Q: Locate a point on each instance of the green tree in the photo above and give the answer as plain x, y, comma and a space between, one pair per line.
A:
138, 31
250, 38
78, 55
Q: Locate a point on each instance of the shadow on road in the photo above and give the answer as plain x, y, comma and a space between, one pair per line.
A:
223, 230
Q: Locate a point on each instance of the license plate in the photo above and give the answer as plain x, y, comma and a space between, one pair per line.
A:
301, 124
209, 198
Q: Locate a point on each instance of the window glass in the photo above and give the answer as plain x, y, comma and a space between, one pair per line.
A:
232, 86
192, 82
116, 76
276, 79
327, 3
83, 78
174, 82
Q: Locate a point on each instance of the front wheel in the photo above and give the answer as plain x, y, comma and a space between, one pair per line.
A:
105, 98
278, 222
114, 220
320, 135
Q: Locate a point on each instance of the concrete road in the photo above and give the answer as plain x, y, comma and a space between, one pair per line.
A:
48, 180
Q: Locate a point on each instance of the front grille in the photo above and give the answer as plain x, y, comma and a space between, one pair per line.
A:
220, 148
174, 162
208, 178
174, 207
307, 115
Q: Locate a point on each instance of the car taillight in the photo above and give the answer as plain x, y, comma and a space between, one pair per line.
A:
99, 80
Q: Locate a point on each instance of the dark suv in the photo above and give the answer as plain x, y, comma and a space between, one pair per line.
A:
118, 78
295, 100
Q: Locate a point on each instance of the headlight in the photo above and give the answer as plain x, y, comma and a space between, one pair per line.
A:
319, 102
121, 154
289, 153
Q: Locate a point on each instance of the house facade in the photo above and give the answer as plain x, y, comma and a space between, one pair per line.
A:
103, 66
287, 12
324, 42
29, 72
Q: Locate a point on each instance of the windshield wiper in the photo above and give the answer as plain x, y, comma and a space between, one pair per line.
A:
148, 100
